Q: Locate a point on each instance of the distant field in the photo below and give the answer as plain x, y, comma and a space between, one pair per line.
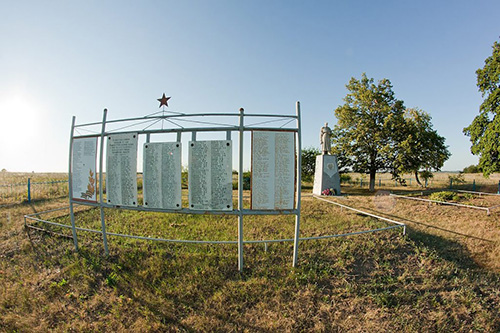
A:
443, 276
13, 185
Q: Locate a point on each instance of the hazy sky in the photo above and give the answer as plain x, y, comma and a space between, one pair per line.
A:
65, 58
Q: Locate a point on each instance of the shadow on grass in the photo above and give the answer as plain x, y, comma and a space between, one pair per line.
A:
447, 249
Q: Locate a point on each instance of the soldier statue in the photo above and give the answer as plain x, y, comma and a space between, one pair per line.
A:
324, 139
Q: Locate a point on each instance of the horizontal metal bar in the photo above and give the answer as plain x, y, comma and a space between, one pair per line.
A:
480, 193
220, 242
190, 129
439, 202
12, 185
190, 211
48, 222
191, 115
360, 211
45, 183
47, 211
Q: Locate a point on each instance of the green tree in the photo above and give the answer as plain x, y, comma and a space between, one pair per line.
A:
368, 127
484, 132
421, 146
309, 162
471, 169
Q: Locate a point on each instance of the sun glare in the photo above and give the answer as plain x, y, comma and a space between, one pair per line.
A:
19, 127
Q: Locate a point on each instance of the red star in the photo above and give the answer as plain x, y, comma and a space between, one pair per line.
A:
163, 101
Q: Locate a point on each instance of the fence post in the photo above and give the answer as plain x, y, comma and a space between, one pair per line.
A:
451, 183
474, 185
498, 192
426, 180
410, 181
29, 190
379, 182
361, 182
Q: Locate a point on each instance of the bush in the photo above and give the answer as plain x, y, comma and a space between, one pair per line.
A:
345, 178
444, 196
458, 179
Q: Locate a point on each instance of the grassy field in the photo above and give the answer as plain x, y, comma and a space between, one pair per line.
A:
443, 276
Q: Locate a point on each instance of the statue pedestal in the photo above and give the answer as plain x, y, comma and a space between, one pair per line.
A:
326, 175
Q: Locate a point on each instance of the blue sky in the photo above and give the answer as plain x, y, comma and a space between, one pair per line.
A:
65, 58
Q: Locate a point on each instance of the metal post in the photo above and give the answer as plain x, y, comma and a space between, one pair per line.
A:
101, 194
379, 182
474, 185
29, 190
299, 180
240, 192
426, 180
451, 183
70, 184
498, 192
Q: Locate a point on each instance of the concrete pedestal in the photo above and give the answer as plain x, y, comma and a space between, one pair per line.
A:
326, 174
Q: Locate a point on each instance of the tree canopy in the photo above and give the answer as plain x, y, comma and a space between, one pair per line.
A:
422, 147
375, 132
484, 131
367, 126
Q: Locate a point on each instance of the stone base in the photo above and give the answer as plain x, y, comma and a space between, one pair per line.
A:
326, 175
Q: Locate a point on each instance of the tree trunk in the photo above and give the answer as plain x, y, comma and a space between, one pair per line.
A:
373, 173
418, 180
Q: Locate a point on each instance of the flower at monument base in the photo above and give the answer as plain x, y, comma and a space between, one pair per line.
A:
328, 191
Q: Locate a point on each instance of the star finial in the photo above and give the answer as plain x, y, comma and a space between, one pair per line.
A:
163, 100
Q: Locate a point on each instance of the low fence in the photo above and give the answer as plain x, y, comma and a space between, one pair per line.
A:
471, 185
32, 190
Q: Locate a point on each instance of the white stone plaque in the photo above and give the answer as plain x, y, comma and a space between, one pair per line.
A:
273, 170
209, 176
162, 175
83, 165
121, 169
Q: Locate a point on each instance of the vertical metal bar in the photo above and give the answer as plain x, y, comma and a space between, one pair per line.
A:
148, 137
474, 185
70, 184
29, 190
299, 181
179, 135
101, 154
240, 191
228, 135
498, 192
193, 136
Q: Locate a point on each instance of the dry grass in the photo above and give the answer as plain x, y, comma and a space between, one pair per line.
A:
14, 186
442, 277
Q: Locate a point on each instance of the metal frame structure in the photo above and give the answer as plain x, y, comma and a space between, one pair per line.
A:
173, 119
241, 127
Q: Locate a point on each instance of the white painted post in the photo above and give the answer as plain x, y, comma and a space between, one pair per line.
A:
299, 180
101, 194
240, 191
70, 185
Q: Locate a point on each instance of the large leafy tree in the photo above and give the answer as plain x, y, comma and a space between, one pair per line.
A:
368, 127
309, 162
484, 132
421, 148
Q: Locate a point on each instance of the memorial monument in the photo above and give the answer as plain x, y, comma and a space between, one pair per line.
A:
326, 175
